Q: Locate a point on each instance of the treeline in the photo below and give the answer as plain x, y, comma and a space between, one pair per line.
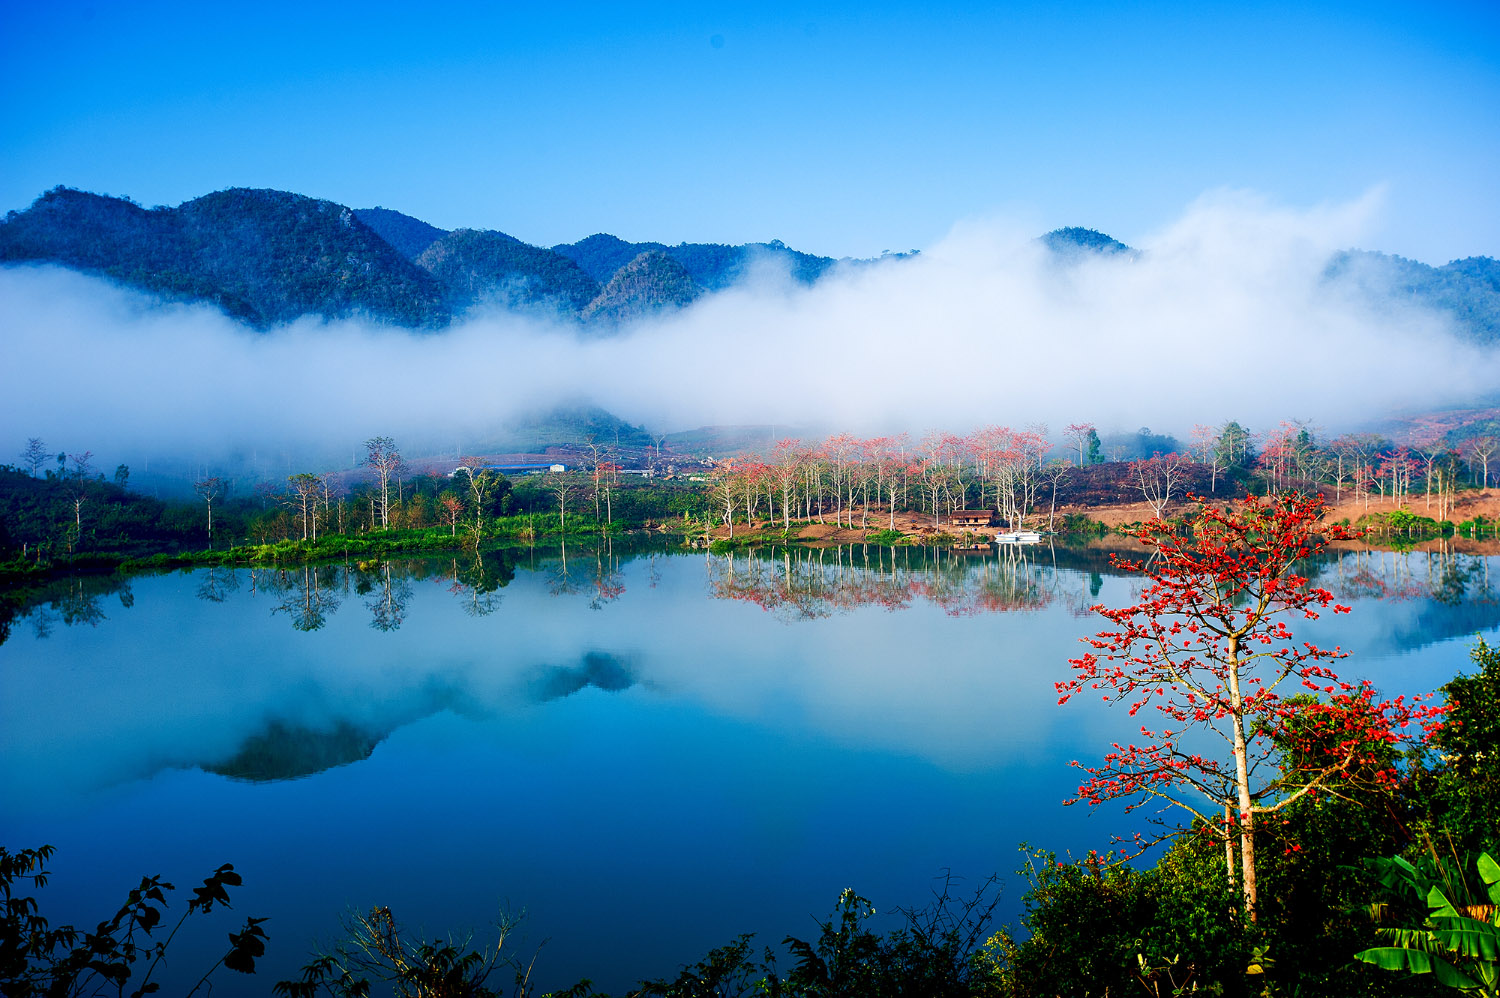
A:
1023, 476
1361, 465
72, 514
61, 507
80, 514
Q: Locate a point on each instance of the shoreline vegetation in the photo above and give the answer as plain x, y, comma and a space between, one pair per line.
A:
1396, 530
68, 524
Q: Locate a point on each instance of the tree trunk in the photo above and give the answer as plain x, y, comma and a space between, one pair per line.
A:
1229, 844
1242, 783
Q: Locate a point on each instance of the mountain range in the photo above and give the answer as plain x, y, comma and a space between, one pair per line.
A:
267, 257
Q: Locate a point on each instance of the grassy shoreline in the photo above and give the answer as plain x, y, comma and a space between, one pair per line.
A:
1385, 530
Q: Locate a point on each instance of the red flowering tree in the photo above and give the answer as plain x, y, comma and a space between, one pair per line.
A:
1209, 649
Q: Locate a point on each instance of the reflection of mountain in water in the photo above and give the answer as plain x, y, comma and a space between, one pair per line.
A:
1438, 622
287, 752
599, 670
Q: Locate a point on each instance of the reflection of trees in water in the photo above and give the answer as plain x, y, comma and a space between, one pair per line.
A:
306, 594
801, 583
79, 605
72, 601
388, 594
560, 581
1444, 575
475, 581
608, 583
1451, 592
43, 619
215, 584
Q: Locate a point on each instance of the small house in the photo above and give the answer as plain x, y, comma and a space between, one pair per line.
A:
970, 519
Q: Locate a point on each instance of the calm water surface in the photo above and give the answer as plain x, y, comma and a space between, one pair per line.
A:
647, 751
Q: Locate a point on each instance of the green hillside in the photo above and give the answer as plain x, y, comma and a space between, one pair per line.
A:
711, 266
478, 265
264, 257
601, 254
1073, 240
1468, 289
408, 236
650, 283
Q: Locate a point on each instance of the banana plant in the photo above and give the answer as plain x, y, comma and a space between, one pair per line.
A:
1459, 941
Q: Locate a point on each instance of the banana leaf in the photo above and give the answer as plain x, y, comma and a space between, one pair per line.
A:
1416, 961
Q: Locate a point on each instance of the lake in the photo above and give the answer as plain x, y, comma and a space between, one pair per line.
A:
646, 750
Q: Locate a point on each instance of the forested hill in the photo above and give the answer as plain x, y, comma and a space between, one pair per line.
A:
264, 257
267, 257
712, 266
1076, 241
651, 282
1467, 289
479, 265
409, 236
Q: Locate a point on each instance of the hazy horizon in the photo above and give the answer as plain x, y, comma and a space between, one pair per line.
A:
1225, 314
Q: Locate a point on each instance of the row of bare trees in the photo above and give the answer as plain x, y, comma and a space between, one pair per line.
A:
844, 477
1009, 471
1368, 466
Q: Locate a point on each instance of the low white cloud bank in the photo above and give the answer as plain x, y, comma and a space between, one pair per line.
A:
1224, 314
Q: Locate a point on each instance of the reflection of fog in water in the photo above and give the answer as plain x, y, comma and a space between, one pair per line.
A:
948, 656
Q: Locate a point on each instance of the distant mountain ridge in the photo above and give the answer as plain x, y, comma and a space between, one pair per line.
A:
268, 257
264, 257
1467, 289
712, 266
408, 236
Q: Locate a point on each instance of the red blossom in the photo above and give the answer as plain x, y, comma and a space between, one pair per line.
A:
1208, 647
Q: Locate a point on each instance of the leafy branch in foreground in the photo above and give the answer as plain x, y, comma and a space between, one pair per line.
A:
37, 959
374, 954
939, 952
1458, 942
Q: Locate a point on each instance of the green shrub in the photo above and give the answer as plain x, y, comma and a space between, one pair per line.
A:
38, 960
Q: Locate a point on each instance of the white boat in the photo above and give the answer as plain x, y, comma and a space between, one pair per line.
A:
1018, 537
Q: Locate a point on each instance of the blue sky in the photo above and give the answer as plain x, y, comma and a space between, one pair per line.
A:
844, 129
